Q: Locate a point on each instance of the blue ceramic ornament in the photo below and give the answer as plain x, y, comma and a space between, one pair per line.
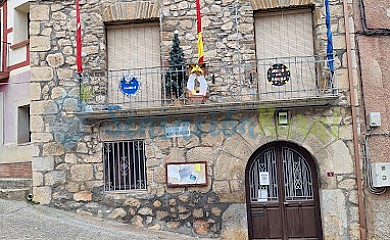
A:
129, 85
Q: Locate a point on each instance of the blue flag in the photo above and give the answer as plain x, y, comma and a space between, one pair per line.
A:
329, 49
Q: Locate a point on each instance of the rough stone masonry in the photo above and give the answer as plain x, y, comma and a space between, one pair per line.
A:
68, 170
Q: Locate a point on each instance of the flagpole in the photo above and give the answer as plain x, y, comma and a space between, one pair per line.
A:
329, 48
78, 39
78, 46
200, 36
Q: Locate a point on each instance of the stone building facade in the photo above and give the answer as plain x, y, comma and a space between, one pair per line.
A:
373, 28
70, 172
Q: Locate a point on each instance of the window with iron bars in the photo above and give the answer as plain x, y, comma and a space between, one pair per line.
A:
125, 165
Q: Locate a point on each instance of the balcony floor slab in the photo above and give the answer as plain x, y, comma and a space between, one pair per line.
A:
91, 118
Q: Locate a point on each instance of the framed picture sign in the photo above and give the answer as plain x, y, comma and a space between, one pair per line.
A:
179, 174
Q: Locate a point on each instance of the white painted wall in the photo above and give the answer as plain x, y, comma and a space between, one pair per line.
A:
16, 92
17, 55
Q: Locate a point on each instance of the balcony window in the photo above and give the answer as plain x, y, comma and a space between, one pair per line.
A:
286, 65
134, 59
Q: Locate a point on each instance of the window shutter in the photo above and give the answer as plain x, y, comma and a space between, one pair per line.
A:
286, 37
135, 49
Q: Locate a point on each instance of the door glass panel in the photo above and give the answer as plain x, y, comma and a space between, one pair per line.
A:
298, 184
263, 178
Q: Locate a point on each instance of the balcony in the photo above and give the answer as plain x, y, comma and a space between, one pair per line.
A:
4, 56
278, 82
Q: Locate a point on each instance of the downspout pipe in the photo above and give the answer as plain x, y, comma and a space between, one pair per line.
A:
362, 220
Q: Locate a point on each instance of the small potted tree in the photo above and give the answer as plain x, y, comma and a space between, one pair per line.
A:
176, 75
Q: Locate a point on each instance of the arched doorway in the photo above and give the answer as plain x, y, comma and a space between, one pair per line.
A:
282, 193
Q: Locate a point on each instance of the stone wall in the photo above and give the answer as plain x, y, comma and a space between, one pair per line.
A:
74, 178
68, 169
186, 212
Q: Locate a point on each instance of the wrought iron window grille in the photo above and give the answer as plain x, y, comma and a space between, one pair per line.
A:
124, 165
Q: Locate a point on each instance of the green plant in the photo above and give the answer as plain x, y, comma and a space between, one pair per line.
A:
86, 93
175, 77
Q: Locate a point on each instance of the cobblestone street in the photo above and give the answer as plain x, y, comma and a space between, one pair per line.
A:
22, 220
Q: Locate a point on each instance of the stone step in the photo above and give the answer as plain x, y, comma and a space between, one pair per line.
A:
15, 194
15, 188
15, 183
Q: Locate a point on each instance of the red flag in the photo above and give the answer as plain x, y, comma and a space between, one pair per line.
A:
200, 36
78, 38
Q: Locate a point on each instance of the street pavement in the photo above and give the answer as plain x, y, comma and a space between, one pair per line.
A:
23, 220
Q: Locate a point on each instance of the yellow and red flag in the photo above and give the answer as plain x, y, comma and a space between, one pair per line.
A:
78, 38
200, 37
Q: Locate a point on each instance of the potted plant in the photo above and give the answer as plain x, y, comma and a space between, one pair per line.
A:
86, 93
176, 75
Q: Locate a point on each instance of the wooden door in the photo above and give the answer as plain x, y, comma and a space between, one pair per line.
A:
282, 194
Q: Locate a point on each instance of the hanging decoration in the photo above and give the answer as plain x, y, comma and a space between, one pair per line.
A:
197, 84
197, 75
130, 85
278, 75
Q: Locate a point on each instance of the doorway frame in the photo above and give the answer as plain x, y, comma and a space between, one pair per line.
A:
315, 176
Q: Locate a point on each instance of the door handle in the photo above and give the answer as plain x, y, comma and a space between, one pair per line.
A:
286, 203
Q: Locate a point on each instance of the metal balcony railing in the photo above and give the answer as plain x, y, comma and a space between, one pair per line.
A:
156, 87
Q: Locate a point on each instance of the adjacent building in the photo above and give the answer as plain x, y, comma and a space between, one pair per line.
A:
15, 137
267, 149
372, 25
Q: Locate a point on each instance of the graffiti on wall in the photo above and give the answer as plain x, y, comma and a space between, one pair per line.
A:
68, 130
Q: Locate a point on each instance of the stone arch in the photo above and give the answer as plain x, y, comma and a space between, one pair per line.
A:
295, 145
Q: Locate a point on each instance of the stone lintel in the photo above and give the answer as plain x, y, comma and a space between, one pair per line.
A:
270, 4
130, 11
